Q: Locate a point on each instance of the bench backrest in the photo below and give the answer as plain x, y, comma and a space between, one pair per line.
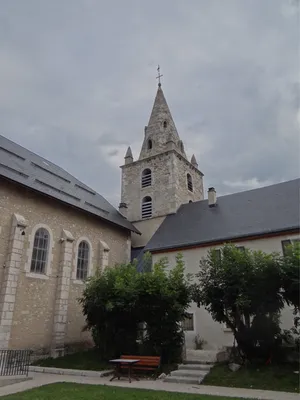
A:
145, 361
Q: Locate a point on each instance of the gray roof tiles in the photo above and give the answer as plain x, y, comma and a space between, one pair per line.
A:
260, 211
22, 166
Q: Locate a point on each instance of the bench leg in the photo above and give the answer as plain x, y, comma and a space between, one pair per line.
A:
129, 373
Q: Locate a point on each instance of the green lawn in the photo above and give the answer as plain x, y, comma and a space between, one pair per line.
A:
74, 391
86, 360
90, 360
271, 377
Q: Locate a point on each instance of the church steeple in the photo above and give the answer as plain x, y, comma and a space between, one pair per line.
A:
162, 179
161, 129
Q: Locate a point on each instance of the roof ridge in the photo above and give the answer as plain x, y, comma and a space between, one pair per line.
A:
246, 191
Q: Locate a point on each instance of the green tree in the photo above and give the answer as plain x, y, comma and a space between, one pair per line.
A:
116, 302
244, 290
291, 285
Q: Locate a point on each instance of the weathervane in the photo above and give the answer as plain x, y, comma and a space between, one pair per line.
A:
159, 76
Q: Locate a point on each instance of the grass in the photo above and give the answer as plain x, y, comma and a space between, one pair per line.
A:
74, 391
90, 360
85, 360
265, 377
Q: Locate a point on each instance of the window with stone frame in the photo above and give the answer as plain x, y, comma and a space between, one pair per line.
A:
147, 207
149, 144
188, 322
189, 182
40, 251
82, 261
146, 178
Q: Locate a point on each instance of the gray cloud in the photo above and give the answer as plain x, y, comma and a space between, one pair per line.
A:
77, 83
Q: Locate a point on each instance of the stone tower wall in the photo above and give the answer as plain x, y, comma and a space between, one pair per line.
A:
168, 190
162, 190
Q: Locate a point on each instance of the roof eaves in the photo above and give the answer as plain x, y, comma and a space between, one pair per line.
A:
224, 239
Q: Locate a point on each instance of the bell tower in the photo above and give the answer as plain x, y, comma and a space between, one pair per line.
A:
162, 178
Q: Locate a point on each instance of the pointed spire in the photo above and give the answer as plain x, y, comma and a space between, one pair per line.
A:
194, 161
128, 156
160, 129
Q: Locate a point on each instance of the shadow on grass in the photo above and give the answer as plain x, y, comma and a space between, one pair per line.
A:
266, 377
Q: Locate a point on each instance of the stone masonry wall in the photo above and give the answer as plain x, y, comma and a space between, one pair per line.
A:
162, 189
168, 190
183, 195
39, 316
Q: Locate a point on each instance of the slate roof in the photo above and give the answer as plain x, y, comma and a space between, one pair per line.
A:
28, 169
260, 211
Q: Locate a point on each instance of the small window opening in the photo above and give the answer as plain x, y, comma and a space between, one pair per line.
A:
189, 182
165, 124
188, 322
149, 144
241, 248
82, 260
146, 178
147, 207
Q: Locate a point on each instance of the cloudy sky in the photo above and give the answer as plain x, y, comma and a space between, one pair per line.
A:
77, 84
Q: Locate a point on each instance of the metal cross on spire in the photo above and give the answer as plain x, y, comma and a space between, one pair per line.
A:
159, 76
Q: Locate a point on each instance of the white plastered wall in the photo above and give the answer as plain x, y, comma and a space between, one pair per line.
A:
216, 335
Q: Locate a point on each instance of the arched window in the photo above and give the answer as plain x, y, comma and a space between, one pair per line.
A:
147, 207
82, 261
149, 145
40, 251
146, 178
189, 182
165, 124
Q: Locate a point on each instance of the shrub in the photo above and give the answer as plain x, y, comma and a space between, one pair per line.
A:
119, 300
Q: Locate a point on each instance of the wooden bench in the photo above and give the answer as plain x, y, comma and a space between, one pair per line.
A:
145, 363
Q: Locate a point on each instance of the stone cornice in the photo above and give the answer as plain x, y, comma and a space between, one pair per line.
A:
178, 155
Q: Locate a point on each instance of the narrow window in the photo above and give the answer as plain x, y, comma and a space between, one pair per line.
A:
241, 248
82, 261
146, 178
217, 254
147, 207
165, 124
285, 246
149, 144
188, 322
189, 182
40, 251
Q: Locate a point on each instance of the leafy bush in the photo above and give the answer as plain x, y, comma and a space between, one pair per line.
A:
291, 287
118, 301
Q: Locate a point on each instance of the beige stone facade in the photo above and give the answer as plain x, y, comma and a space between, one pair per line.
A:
41, 311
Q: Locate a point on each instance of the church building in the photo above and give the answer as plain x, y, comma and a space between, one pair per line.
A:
55, 231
